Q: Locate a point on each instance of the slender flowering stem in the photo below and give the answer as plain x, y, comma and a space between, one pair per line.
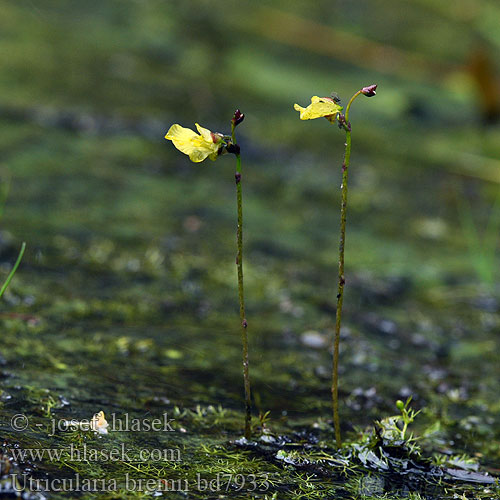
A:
341, 283
239, 264
198, 147
328, 107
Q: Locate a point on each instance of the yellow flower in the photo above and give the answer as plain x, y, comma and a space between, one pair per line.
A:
196, 146
99, 423
319, 107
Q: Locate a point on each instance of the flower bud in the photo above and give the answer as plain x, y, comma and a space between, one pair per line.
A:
237, 118
342, 123
233, 148
400, 405
369, 91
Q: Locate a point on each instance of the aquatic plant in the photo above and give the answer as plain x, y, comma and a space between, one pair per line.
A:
4, 192
211, 145
13, 270
394, 429
329, 108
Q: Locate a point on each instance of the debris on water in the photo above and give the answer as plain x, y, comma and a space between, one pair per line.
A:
370, 459
470, 476
267, 438
63, 401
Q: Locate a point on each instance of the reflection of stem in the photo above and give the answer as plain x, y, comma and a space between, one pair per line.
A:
340, 292
14, 269
239, 263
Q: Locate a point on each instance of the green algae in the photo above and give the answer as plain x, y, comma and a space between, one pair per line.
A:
132, 346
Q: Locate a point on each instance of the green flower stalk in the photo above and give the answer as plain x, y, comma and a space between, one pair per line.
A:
198, 147
237, 119
329, 108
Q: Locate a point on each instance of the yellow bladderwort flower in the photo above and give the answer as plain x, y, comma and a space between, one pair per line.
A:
99, 423
320, 107
196, 146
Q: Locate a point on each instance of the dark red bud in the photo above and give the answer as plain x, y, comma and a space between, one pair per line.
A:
342, 123
237, 118
369, 91
233, 148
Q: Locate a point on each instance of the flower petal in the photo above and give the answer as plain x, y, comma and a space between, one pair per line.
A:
197, 147
319, 107
99, 423
181, 137
198, 154
204, 132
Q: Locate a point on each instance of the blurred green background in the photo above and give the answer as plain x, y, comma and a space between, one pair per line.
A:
90, 88
128, 288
